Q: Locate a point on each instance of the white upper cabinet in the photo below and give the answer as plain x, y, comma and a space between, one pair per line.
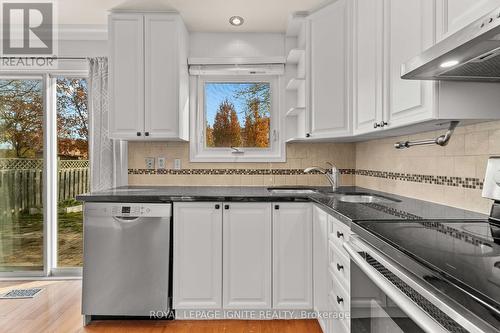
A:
452, 15
329, 36
197, 278
247, 255
367, 64
292, 254
148, 77
409, 30
126, 82
386, 34
166, 80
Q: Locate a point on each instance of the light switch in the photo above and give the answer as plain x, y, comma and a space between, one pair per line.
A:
177, 164
161, 162
150, 162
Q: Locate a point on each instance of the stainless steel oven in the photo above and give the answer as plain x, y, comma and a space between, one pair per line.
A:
387, 298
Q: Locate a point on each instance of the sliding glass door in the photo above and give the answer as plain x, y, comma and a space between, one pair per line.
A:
21, 175
44, 164
73, 174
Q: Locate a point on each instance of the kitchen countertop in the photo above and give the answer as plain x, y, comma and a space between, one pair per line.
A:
402, 208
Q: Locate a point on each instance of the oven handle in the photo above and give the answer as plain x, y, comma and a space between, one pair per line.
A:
414, 312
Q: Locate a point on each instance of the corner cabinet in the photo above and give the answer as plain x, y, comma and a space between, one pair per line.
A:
149, 85
329, 64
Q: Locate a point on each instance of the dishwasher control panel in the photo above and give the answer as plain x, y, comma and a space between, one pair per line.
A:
128, 209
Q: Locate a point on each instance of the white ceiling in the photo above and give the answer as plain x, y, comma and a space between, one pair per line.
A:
199, 15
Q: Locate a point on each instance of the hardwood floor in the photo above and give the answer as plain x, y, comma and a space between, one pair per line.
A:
57, 309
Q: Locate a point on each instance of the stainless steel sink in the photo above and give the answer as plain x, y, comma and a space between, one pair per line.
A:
291, 190
362, 198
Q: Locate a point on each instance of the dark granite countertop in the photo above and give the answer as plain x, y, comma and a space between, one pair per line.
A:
400, 208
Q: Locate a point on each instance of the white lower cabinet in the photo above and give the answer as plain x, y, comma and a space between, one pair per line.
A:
197, 278
247, 255
292, 256
332, 280
243, 256
320, 264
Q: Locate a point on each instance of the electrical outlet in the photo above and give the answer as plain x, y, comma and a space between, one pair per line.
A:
177, 164
161, 162
150, 162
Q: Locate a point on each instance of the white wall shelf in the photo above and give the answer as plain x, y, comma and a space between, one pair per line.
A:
296, 110
295, 56
295, 83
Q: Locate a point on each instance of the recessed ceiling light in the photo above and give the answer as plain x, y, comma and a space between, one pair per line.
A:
236, 20
449, 63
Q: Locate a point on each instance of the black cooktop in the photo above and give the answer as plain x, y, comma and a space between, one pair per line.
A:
462, 253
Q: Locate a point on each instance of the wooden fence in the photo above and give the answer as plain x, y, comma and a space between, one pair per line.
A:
21, 183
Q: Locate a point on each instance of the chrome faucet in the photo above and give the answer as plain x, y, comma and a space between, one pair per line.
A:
332, 177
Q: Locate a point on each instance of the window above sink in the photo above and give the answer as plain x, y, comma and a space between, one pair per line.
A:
236, 118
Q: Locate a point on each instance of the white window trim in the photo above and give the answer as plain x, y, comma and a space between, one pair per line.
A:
198, 151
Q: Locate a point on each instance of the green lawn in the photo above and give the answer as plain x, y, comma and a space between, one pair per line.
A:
21, 241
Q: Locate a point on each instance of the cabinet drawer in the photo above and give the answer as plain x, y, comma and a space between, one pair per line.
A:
339, 298
339, 265
338, 232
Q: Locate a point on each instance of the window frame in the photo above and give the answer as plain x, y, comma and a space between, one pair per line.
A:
198, 150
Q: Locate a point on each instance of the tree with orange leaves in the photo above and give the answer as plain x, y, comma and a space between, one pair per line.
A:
226, 130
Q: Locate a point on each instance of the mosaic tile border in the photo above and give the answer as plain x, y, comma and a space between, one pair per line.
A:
464, 182
227, 172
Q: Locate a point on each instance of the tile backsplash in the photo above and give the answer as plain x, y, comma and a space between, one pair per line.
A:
299, 157
451, 175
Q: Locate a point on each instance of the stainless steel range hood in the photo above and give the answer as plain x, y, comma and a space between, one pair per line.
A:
471, 54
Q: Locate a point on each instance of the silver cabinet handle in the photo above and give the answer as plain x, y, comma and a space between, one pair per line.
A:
413, 311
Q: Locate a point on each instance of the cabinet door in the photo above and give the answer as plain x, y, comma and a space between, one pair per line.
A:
197, 271
126, 81
368, 64
452, 15
409, 30
329, 81
247, 256
292, 256
162, 34
320, 260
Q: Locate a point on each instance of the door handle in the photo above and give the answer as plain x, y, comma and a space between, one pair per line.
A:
339, 267
217, 206
276, 207
340, 300
340, 234
226, 206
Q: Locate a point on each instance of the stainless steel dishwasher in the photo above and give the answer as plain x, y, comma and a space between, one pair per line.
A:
126, 264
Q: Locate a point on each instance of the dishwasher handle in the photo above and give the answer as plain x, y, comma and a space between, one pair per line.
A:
413, 311
126, 219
